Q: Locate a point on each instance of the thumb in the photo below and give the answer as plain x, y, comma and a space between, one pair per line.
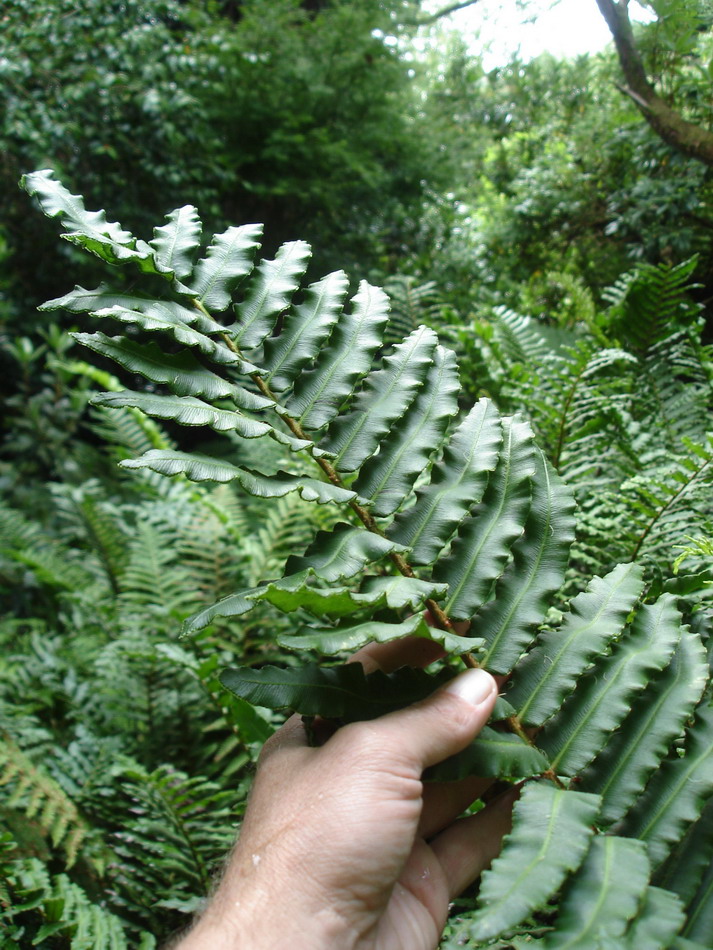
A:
441, 725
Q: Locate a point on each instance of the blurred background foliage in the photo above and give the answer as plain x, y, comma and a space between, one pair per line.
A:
526, 211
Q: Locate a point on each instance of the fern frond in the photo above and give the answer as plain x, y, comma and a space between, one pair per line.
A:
656, 719
47, 909
41, 799
464, 519
604, 697
181, 828
152, 580
658, 501
648, 301
676, 794
536, 858
411, 304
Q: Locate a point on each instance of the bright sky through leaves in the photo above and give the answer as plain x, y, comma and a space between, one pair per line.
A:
499, 28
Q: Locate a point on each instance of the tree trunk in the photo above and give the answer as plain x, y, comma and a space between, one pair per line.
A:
670, 125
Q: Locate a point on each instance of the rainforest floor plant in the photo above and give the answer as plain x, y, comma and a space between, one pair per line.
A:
606, 715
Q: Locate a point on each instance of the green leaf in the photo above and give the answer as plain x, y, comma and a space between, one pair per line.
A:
180, 371
202, 468
175, 243
81, 300
187, 325
452, 643
522, 595
403, 592
189, 411
675, 795
482, 546
101, 300
603, 897
88, 229
271, 287
305, 331
228, 260
295, 592
330, 641
492, 754
336, 692
502, 710
550, 836
622, 769
457, 484
386, 396
700, 910
686, 584
341, 552
234, 605
154, 321
656, 923
320, 392
388, 477
683, 870
603, 698
597, 616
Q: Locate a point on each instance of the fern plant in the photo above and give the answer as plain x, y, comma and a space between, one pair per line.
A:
624, 422
607, 715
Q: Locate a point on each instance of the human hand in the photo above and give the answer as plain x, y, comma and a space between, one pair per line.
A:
342, 846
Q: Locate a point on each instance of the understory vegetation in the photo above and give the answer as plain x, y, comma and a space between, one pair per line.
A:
226, 464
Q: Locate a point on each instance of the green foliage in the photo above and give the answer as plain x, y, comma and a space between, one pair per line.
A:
621, 407
296, 116
103, 719
529, 197
54, 911
477, 526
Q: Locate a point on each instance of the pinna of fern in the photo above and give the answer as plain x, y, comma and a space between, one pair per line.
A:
457, 514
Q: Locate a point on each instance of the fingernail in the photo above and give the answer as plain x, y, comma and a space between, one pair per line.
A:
474, 686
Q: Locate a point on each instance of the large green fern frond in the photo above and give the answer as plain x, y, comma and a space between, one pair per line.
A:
455, 514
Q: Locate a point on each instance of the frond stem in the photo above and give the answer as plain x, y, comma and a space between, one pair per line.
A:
563, 420
516, 727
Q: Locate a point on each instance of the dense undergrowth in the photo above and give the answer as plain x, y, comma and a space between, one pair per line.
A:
126, 761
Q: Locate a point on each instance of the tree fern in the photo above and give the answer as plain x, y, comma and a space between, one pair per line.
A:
459, 516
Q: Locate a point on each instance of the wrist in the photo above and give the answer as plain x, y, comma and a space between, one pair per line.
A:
266, 922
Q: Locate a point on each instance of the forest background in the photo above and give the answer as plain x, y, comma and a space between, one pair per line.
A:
536, 214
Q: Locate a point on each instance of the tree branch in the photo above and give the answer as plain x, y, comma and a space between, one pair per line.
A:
686, 137
445, 11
